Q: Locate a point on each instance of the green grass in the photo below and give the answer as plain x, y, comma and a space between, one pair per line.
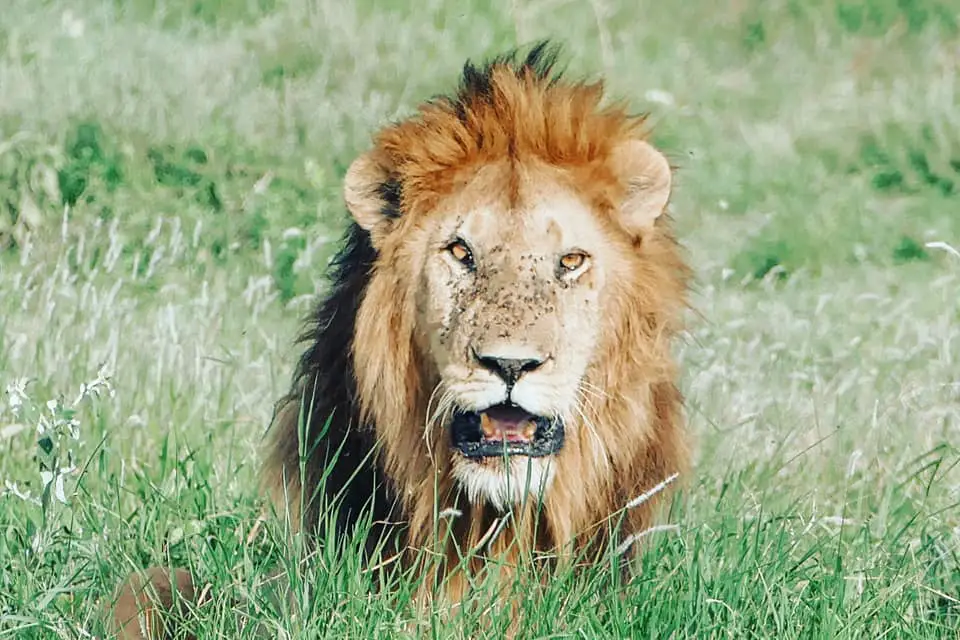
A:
169, 196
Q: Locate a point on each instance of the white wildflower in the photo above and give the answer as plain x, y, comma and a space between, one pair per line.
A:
660, 96
17, 394
26, 496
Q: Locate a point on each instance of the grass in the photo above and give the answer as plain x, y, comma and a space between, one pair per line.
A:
169, 196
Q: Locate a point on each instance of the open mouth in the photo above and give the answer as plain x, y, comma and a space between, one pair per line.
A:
505, 429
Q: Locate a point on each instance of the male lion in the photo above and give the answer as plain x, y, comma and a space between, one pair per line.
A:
496, 338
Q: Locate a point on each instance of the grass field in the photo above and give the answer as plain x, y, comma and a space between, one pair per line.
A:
169, 196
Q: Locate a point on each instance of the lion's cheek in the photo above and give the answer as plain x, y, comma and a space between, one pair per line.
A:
437, 323
436, 341
578, 332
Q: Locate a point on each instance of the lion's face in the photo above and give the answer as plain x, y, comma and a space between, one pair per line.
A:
510, 306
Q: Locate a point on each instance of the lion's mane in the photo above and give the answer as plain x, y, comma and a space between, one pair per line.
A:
356, 410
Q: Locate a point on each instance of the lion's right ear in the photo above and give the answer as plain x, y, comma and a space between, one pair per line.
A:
646, 175
372, 193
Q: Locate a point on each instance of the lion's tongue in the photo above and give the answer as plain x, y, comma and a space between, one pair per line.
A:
508, 424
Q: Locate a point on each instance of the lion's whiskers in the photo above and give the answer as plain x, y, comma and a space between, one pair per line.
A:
433, 394
594, 389
585, 400
443, 404
581, 401
444, 408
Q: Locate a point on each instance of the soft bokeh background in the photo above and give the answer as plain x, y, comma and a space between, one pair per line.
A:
169, 196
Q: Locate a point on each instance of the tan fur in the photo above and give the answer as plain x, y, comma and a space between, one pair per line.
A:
528, 168
135, 613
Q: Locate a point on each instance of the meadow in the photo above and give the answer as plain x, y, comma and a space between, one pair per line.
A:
170, 195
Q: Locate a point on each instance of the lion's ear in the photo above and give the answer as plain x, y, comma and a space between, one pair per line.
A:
372, 193
646, 174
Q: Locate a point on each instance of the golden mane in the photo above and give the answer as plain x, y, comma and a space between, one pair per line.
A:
366, 385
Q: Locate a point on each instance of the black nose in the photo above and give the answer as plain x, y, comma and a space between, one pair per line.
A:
509, 369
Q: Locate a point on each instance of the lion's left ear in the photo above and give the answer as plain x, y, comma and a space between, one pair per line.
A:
372, 193
645, 173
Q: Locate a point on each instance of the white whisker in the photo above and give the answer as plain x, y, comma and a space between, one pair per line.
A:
598, 449
594, 389
433, 394
445, 397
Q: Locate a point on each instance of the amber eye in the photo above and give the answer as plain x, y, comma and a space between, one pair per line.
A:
461, 252
573, 261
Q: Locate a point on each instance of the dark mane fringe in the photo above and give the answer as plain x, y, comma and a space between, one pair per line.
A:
476, 82
324, 385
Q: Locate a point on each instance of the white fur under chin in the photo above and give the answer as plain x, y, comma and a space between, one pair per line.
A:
501, 488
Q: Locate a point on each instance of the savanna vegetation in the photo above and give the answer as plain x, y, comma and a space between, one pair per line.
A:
170, 195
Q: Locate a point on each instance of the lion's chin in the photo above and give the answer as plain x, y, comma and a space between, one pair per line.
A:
503, 482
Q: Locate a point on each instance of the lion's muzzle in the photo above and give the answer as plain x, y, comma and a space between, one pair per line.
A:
505, 429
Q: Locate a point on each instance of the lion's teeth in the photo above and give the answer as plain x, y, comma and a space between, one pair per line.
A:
529, 429
487, 425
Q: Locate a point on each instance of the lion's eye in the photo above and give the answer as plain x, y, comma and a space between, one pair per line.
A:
572, 261
461, 252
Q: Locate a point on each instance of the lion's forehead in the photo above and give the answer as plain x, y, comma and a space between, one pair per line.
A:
520, 234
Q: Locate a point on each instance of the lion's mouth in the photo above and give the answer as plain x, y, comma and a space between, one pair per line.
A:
505, 429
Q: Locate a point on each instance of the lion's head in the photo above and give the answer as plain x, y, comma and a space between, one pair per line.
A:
511, 309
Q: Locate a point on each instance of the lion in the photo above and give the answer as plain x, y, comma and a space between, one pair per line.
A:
496, 337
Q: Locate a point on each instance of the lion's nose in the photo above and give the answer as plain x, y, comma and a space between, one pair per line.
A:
509, 369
